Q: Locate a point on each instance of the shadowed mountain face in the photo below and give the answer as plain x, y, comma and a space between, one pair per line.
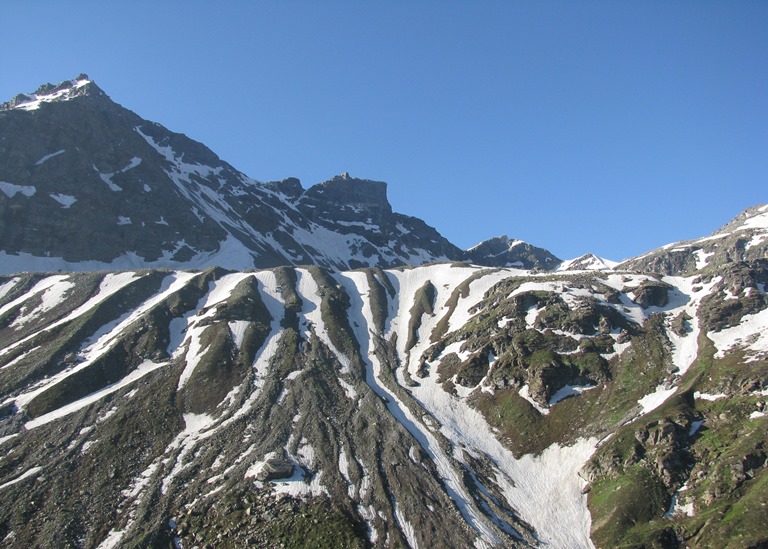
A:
441, 405
85, 183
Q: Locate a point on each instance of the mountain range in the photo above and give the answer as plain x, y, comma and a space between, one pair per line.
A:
192, 358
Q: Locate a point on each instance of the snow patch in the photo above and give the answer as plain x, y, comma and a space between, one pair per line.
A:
683, 299
47, 157
759, 221
33, 101
569, 391
10, 190
42, 286
702, 258
196, 428
6, 287
6, 438
237, 328
349, 390
710, 397
308, 290
757, 239
655, 399
749, 335
51, 297
29, 473
66, 200
678, 509
140, 371
531, 315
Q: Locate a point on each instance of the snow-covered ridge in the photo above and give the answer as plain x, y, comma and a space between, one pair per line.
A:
501, 238
675, 257
48, 94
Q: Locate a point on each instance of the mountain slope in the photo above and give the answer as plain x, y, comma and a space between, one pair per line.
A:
742, 239
385, 405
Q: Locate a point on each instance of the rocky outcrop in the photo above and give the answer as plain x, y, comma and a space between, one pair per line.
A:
275, 468
651, 294
736, 294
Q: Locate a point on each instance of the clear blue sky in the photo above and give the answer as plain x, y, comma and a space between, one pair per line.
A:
612, 127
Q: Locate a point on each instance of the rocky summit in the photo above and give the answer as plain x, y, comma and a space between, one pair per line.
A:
509, 400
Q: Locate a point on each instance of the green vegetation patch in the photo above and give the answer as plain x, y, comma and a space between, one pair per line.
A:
620, 504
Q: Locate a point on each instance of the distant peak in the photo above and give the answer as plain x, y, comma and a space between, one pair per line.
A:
587, 262
501, 240
80, 86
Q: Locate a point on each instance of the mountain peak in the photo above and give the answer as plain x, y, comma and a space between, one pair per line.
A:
362, 196
587, 262
80, 86
502, 251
